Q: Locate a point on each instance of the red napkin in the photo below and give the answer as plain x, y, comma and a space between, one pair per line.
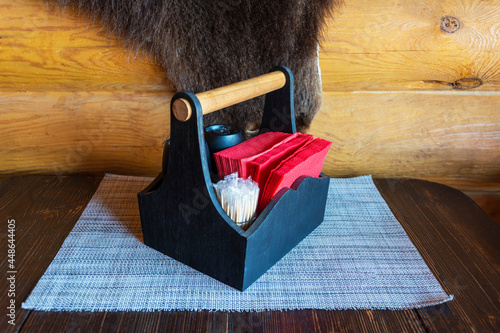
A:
274, 160
234, 159
307, 161
260, 167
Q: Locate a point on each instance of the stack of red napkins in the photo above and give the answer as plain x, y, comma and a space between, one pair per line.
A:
274, 160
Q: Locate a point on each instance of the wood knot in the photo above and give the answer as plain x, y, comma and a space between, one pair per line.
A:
462, 84
467, 83
450, 24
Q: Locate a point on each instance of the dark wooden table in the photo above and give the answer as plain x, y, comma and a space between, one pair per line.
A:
457, 240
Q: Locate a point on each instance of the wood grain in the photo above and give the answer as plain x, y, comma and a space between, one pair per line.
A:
458, 241
392, 104
45, 49
205, 321
489, 202
371, 45
399, 45
451, 138
62, 132
44, 208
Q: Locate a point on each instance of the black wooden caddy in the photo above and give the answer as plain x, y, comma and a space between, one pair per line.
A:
182, 218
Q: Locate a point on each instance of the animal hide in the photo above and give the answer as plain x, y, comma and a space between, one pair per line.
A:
204, 44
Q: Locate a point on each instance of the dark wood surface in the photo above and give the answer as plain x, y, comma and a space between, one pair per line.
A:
489, 202
458, 241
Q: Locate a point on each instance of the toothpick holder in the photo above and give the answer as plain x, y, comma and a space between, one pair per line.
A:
180, 214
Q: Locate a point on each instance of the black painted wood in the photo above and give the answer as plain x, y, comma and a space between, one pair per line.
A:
279, 112
182, 218
290, 217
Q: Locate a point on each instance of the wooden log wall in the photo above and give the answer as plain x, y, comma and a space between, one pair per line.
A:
411, 89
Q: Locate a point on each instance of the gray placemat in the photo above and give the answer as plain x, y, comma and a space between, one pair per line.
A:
358, 258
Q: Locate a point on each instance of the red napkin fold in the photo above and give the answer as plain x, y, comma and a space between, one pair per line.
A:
261, 167
234, 159
307, 161
274, 160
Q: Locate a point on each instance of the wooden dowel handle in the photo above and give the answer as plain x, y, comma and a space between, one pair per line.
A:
235, 93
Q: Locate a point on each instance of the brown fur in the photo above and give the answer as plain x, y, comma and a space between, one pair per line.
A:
204, 44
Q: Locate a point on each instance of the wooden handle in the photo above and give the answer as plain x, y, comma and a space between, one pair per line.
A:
235, 93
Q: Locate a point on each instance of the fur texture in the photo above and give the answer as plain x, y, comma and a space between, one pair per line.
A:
204, 44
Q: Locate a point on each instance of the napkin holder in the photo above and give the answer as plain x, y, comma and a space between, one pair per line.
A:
180, 214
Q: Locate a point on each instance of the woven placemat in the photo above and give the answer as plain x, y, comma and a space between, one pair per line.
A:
358, 258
